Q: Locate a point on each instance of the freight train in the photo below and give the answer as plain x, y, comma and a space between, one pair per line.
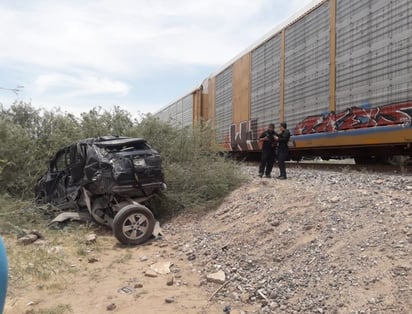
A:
339, 74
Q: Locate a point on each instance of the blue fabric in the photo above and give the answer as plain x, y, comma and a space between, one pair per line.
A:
3, 275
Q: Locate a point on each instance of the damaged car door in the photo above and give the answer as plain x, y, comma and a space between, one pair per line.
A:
61, 184
52, 187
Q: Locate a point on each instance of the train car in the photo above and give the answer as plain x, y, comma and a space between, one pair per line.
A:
188, 110
339, 74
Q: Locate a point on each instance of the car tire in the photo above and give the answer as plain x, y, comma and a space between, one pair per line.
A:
133, 224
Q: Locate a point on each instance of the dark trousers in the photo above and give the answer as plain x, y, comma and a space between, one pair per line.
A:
268, 158
282, 157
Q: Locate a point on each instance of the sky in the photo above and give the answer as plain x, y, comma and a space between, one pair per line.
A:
141, 55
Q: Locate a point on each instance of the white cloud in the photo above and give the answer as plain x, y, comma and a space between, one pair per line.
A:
80, 85
93, 47
126, 36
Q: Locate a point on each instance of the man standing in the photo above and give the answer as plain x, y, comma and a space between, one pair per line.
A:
283, 150
268, 151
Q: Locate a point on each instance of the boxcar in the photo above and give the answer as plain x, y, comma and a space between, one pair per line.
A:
339, 74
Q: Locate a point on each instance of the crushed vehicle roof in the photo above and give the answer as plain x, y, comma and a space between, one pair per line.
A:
112, 141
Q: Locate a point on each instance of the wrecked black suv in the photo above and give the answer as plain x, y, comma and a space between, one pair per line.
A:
110, 176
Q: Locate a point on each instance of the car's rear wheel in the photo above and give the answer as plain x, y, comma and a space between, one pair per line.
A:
133, 224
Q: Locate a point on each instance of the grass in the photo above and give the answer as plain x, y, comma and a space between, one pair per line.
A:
47, 266
15, 215
35, 263
58, 309
96, 274
121, 259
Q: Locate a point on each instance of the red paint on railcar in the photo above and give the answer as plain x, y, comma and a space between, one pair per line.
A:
356, 117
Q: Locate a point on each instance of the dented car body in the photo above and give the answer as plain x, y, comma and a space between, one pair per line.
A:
110, 176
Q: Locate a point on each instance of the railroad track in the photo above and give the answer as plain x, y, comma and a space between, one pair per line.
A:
348, 165
377, 168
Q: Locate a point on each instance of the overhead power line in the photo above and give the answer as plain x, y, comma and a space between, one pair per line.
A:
15, 90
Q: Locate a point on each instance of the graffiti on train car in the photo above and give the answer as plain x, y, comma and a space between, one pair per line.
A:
244, 136
356, 117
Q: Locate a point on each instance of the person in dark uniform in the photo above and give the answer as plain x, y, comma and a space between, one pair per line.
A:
283, 150
268, 151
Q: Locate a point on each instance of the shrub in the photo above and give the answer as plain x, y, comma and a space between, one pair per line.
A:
196, 171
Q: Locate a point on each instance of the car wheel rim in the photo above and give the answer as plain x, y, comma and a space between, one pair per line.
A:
135, 226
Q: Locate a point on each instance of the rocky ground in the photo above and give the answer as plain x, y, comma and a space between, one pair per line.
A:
319, 242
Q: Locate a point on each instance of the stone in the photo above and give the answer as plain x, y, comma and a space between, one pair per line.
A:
144, 258
244, 297
218, 277
40, 242
372, 301
111, 307
126, 290
37, 233
170, 280
138, 286
31, 303
150, 273
277, 259
28, 239
191, 257
275, 223
335, 200
273, 305
157, 231
170, 300
307, 227
91, 238
92, 260
162, 268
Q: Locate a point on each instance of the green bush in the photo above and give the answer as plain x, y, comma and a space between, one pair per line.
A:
197, 174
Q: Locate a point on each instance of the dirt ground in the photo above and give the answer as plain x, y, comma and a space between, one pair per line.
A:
92, 287
319, 242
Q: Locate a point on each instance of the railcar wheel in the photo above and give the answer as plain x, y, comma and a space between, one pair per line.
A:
398, 160
369, 160
133, 224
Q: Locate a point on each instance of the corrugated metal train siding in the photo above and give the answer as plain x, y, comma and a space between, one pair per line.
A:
374, 52
307, 66
265, 83
224, 95
187, 110
180, 113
